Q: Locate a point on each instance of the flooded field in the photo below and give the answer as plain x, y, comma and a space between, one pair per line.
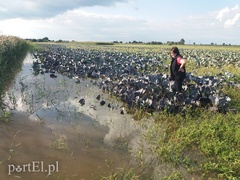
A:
51, 135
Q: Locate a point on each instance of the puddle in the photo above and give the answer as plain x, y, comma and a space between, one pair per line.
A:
52, 136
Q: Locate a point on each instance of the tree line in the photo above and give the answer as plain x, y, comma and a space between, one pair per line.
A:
181, 42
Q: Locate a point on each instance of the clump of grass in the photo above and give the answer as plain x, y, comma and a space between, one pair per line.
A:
122, 175
60, 142
12, 52
176, 175
5, 117
233, 93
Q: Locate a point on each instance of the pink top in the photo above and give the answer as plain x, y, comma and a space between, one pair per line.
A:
179, 58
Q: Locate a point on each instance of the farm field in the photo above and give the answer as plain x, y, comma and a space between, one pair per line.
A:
167, 137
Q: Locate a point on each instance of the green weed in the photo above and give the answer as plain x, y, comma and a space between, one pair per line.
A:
12, 52
122, 175
60, 142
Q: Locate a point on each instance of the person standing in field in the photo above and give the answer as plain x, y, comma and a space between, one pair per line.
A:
177, 69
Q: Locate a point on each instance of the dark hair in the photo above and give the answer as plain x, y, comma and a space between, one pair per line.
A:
175, 50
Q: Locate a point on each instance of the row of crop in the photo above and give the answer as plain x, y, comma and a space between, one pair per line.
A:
207, 60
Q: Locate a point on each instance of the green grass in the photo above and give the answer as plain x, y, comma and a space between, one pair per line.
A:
205, 144
122, 174
12, 52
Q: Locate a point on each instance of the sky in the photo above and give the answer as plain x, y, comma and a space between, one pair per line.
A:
200, 22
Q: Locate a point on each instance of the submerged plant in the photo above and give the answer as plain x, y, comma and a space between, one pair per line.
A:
5, 116
60, 142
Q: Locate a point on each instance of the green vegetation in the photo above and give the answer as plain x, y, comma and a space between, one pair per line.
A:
12, 52
204, 144
122, 174
104, 43
201, 144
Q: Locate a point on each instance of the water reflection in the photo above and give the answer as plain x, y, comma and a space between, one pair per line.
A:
49, 124
57, 99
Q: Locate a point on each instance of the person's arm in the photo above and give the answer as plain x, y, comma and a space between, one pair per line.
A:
182, 63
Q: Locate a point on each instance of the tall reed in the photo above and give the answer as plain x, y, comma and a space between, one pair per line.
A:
12, 53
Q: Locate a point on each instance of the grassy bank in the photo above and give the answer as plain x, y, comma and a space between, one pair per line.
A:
12, 53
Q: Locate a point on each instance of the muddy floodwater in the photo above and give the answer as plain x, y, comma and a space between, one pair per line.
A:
50, 135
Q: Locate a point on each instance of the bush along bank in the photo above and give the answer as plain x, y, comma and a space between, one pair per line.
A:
12, 53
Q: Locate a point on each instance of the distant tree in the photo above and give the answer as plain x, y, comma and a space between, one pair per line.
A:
45, 39
170, 43
33, 40
182, 41
155, 42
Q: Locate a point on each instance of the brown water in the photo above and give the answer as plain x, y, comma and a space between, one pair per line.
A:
51, 136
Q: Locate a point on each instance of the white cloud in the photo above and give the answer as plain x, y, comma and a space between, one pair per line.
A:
76, 25
235, 8
222, 13
46, 8
20, 27
231, 22
228, 17
87, 26
93, 24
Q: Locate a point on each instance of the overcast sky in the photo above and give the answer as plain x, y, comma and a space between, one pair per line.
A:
204, 21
